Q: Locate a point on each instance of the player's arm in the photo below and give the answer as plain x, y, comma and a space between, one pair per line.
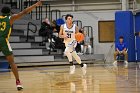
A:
76, 29
125, 48
117, 48
24, 12
61, 35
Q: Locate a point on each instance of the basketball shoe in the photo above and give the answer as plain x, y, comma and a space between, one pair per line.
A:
19, 86
84, 69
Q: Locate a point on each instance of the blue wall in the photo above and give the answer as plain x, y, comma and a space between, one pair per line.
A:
124, 27
137, 28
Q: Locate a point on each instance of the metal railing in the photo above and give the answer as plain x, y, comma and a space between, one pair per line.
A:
38, 10
38, 13
10, 2
48, 10
57, 14
29, 29
78, 23
88, 6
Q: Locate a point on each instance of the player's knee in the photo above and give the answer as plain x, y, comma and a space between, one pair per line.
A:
81, 46
125, 53
67, 52
11, 62
89, 47
115, 53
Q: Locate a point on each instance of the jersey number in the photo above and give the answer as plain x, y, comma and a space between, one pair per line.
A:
2, 26
69, 35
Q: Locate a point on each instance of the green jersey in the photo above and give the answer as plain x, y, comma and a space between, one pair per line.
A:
5, 27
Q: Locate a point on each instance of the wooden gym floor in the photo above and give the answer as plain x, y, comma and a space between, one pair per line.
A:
56, 79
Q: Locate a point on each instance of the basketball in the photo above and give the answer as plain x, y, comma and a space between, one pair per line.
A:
79, 37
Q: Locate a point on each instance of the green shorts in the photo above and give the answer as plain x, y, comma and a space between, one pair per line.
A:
5, 47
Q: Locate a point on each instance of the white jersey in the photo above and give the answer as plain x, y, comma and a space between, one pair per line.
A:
70, 32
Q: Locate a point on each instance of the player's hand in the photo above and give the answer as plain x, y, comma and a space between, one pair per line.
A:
123, 51
65, 36
120, 52
39, 3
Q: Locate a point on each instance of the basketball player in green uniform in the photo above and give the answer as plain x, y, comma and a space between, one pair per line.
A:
6, 21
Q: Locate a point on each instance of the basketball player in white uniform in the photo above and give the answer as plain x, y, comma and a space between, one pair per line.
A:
68, 31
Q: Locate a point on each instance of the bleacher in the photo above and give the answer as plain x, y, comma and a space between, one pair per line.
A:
25, 40
27, 51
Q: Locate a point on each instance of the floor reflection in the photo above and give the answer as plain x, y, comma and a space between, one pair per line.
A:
99, 79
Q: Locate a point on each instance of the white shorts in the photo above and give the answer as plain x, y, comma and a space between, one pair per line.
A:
71, 44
